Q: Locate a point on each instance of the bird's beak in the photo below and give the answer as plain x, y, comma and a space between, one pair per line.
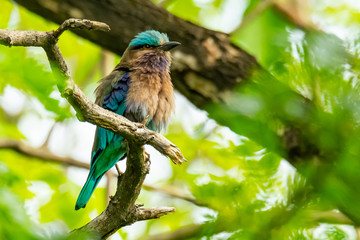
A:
169, 45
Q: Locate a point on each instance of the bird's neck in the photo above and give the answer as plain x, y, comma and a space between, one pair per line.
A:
152, 62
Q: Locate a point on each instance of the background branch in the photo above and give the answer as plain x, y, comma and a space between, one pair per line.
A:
44, 154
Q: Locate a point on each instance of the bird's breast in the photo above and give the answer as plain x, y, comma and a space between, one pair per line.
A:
150, 93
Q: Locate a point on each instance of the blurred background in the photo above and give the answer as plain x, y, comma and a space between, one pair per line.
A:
234, 186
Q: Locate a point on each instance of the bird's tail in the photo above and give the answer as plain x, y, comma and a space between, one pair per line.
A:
87, 190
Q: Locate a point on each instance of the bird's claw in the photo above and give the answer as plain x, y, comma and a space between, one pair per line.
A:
147, 161
146, 119
147, 157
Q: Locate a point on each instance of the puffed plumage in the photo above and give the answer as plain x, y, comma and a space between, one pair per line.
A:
139, 87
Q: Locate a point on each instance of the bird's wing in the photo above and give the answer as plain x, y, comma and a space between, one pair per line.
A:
111, 94
107, 84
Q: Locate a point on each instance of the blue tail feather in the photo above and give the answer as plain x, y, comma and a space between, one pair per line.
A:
87, 190
101, 162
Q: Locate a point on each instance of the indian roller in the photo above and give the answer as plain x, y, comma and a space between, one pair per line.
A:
140, 89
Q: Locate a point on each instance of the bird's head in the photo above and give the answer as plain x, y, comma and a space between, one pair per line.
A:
149, 49
152, 40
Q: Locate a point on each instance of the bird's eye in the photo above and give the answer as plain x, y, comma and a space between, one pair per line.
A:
147, 46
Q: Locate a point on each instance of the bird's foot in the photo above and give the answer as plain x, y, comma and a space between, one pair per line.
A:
147, 161
147, 157
146, 119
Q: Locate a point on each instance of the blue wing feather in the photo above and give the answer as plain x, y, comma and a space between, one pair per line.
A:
108, 147
115, 102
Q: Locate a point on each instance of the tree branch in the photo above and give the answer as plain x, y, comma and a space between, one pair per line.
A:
73, 23
41, 153
121, 210
152, 213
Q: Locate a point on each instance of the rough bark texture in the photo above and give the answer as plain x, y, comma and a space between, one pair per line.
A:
206, 64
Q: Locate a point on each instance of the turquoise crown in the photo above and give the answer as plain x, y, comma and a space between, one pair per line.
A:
150, 37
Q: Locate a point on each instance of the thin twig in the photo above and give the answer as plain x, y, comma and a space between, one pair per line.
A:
118, 170
46, 142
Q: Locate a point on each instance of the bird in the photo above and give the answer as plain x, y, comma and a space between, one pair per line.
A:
140, 89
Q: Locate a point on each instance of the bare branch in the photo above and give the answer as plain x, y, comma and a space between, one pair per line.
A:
40, 153
151, 213
23, 38
47, 139
73, 23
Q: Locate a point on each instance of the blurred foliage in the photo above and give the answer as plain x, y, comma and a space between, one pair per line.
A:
240, 173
